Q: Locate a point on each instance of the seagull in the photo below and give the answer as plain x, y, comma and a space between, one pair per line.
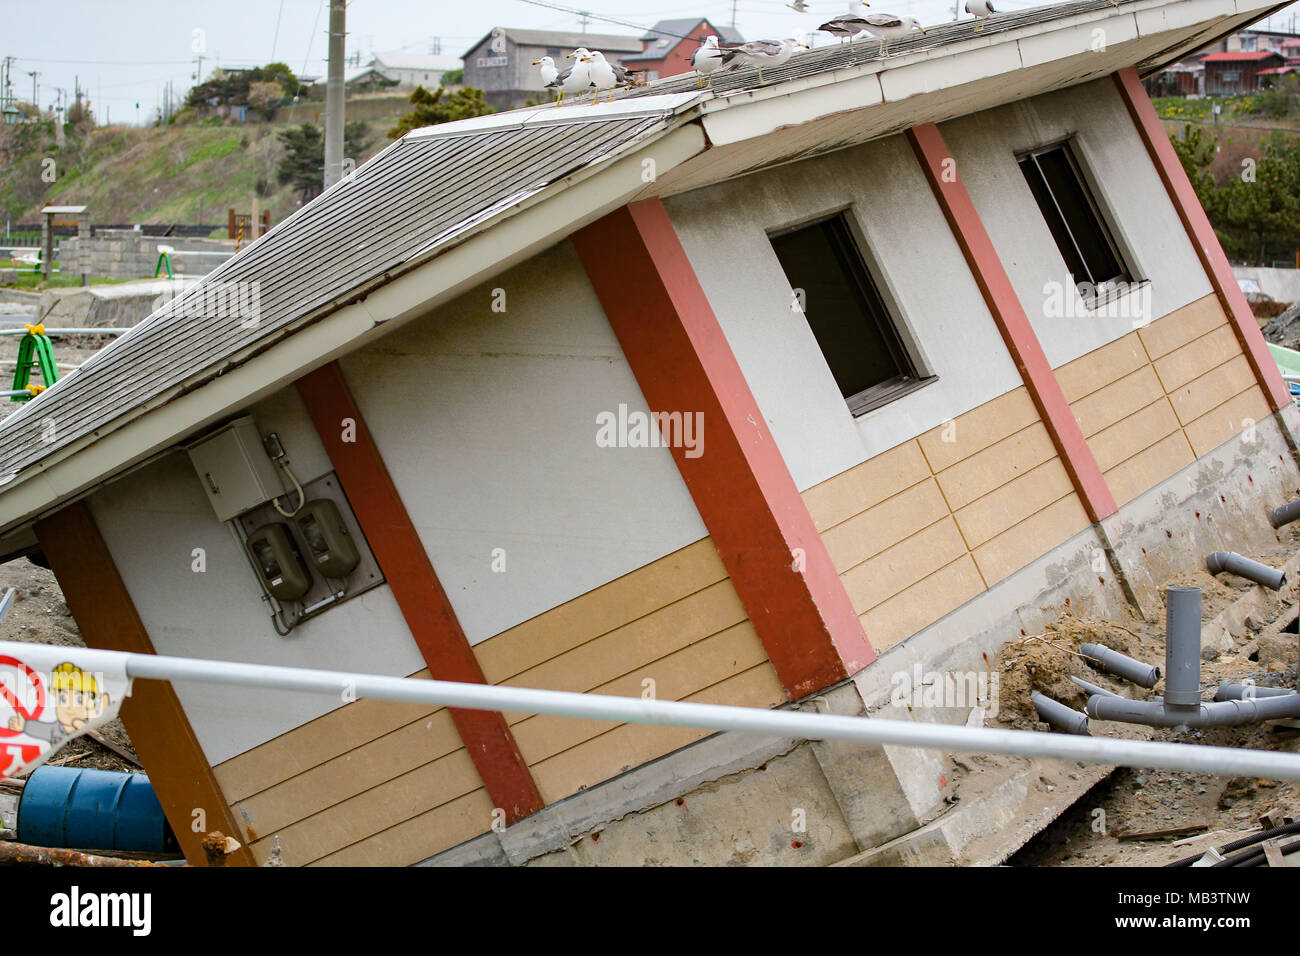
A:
981, 9
624, 76
601, 72
705, 60
576, 79
847, 25
798, 6
759, 54
887, 27
549, 72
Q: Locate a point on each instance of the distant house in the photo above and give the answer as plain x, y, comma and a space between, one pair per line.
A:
501, 63
367, 79
1231, 74
667, 47
409, 70
1185, 78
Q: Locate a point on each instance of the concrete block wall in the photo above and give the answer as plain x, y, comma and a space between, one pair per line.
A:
126, 254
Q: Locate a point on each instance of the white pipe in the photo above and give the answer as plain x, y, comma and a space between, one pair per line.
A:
781, 723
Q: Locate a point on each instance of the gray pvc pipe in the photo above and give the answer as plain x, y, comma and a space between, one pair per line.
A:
1094, 689
1058, 715
1285, 514
1121, 665
1182, 646
1249, 692
1220, 714
1234, 563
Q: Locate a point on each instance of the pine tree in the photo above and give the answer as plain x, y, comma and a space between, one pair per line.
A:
437, 107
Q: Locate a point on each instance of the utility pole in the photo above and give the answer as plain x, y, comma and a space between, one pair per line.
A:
198, 70
61, 98
6, 84
35, 102
334, 95
733, 14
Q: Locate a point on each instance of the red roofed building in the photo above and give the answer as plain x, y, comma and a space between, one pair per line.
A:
668, 45
1231, 74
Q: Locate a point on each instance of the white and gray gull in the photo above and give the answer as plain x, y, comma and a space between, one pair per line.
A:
576, 79
888, 27
981, 10
548, 70
760, 54
847, 25
706, 60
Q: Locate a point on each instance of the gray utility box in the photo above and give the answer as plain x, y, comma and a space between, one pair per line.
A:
235, 470
359, 579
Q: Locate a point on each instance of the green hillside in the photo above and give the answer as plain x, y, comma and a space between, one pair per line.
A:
187, 172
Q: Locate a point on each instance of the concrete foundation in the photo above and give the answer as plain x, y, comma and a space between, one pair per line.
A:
737, 799
107, 306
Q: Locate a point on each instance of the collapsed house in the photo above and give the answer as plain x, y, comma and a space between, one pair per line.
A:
757, 396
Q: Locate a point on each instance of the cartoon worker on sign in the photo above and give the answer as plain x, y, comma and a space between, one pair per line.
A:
77, 701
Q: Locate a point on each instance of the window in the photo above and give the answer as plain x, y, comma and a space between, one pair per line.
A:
847, 313
1074, 218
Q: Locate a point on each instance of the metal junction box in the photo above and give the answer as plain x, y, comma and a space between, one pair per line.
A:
343, 542
234, 469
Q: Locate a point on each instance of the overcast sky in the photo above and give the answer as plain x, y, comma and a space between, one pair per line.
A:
125, 51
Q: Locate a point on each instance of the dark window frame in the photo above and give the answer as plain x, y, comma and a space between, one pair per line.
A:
1102, 222
879, 310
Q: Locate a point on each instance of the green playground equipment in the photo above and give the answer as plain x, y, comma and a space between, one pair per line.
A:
164, 260
34, 348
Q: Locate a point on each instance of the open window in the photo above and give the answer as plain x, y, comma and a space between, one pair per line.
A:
1075, 219
854, 327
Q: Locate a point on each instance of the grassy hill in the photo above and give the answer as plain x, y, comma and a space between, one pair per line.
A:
187, 172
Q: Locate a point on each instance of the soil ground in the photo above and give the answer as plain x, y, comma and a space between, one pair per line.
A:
1140, 801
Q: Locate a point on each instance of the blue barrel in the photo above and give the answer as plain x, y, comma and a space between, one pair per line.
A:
84, 809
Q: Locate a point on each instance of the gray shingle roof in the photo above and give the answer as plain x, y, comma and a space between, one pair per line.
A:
402, 207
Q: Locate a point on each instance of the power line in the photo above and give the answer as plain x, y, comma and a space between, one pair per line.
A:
276, 36
311, 39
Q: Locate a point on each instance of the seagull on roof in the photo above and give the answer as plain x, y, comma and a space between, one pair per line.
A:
981, 10
888, 27
705, 60
759, 54
603, 76
576, 79
548, 71
847, 25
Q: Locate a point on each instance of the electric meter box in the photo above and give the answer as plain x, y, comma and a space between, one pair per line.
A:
278, 562
234, 469
329, 545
